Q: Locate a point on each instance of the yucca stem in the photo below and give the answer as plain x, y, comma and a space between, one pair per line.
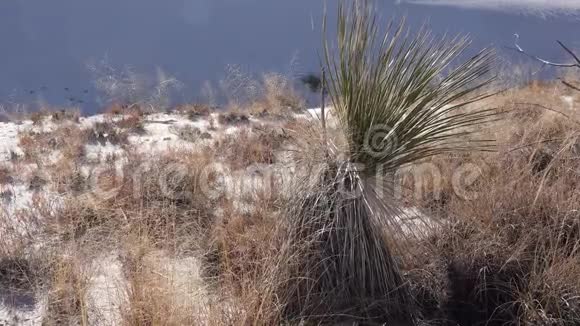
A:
323, 111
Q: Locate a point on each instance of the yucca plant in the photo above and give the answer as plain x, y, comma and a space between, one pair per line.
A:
397, 100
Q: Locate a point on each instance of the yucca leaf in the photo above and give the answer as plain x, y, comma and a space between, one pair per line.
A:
401, 84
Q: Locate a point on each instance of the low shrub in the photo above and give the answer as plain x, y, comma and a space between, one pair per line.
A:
106, 132
233, 118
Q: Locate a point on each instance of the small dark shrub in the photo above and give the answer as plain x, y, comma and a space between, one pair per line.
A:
6, 175
105, 132
195, 111
187, 133
36, 183
233, 118
17, 275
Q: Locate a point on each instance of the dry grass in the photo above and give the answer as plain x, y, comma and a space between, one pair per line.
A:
278, 99
66, 115
189, 133
19, 274
132, 123
273, 96
506, 250
67, 301
115, 109
46, 114
511, 229
68, 139
106, 132
160, 196
233, 117
6, 175
244, 261
149, 300
251, 146
195, 111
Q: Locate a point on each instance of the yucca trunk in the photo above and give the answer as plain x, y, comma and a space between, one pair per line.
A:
345, 269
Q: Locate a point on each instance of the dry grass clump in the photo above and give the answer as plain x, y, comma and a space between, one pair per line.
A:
117, 109
6, 175
69, 140
170, 192
36, 182
195, 112
153, 294
132, 123
162, 196
189, 133
271, 96
126, 117
45, 114
251, 146
67, 177
149, 304
278, 99
237, 242
233, 117
19, 274
243, 260
510, 230
66, 115
106, 132
114, 109
67, 300
79, 217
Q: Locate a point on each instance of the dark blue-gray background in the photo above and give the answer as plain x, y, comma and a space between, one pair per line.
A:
45, 45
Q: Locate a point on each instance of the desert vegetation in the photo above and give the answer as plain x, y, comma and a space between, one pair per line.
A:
425, 196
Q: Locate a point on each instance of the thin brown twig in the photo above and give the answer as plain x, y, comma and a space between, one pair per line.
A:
570, 52
574, 87
519, 49
535, 143
549, 109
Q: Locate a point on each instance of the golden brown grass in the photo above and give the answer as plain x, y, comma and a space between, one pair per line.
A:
45, 114
69, 139
67, 294
278, 99
257, 145
132, 123
114, 109
195, 111
511, 228
506, 250
272, 97
150, 294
